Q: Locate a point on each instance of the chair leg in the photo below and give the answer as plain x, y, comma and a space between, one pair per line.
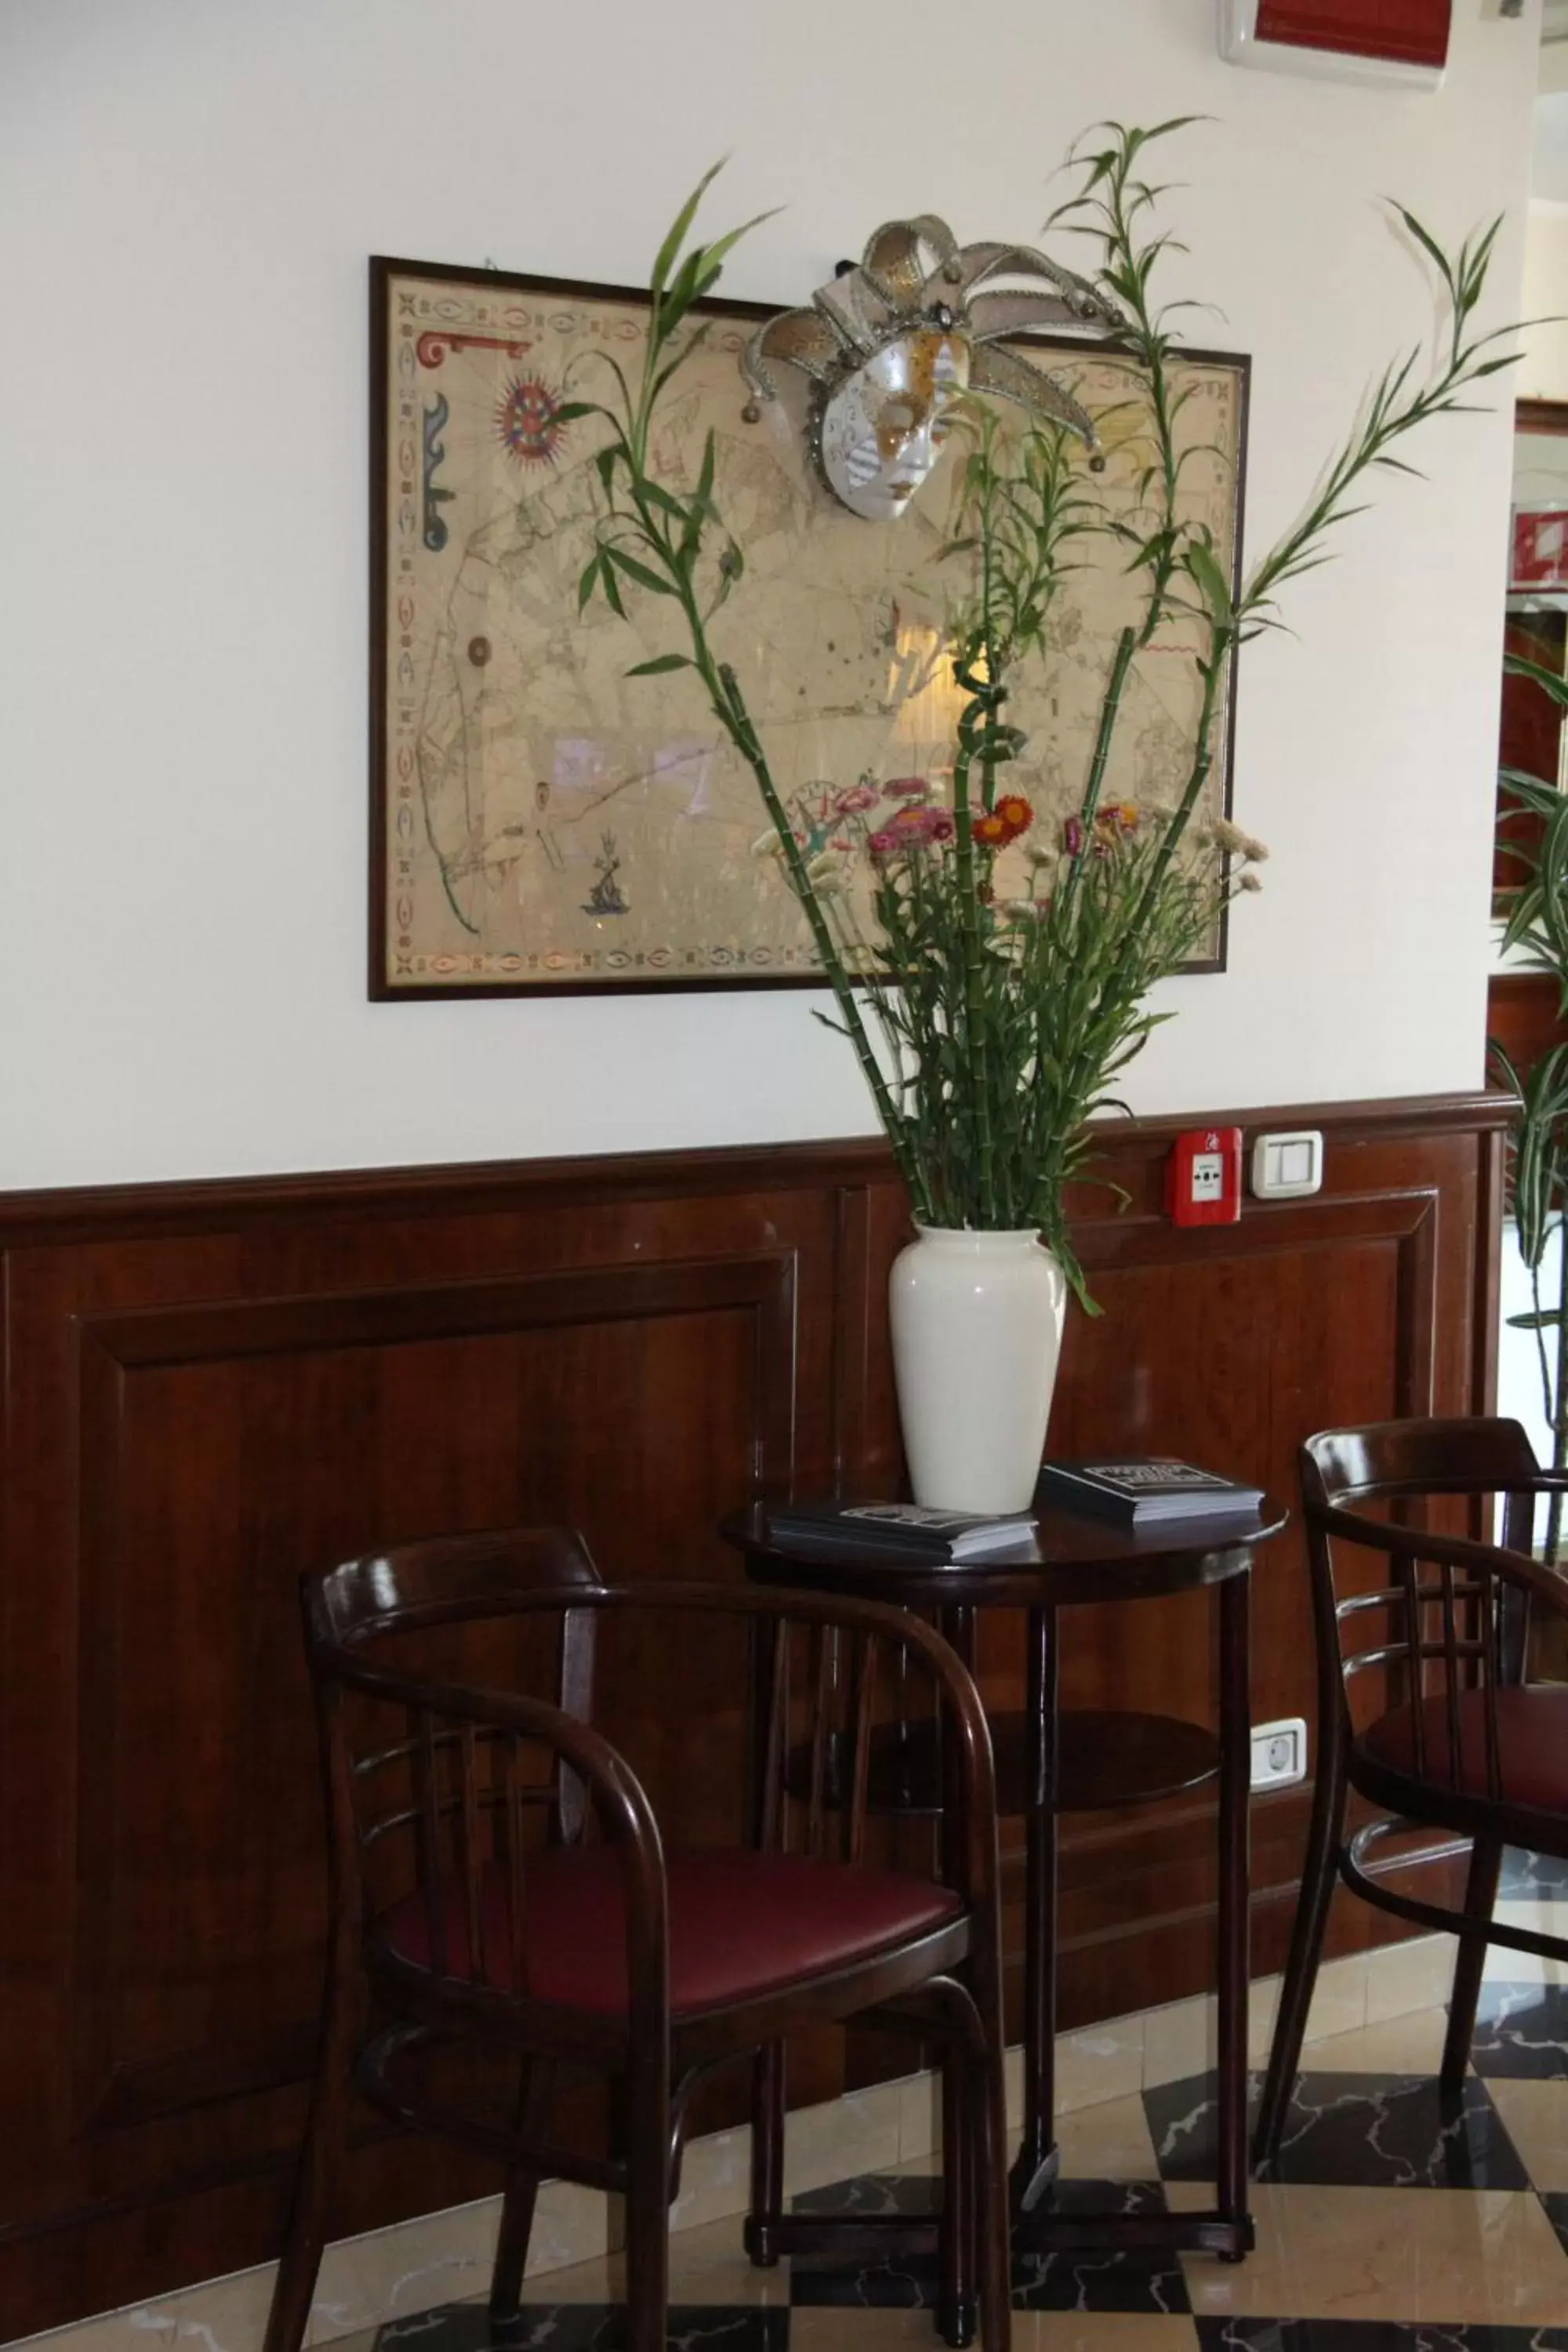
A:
988, 2151
767, 2155
320, 2159
1480, 1895
955, 2316
647, 2123
521, 2195
1306, 1949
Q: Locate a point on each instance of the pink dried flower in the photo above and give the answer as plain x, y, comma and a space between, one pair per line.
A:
883, 844
854, 799
941, 827
907, 788
911, 824
1072, 837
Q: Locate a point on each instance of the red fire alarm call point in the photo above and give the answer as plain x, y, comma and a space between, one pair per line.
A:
1203, 1177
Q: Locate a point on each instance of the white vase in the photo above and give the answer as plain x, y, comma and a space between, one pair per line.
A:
976, 1321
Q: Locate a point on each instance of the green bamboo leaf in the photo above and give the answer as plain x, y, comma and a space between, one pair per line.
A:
641, 573
1198, 559
661, 666
675, 237
656, 494
1429, 244
715, 255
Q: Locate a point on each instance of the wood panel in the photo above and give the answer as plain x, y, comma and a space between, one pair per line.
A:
211, 1387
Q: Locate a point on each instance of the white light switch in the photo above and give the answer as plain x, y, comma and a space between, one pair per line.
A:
1285, 1166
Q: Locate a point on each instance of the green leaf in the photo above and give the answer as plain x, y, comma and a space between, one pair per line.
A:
586, 587
1424, 238
714, 254
644, 576
1197, 558
662, 664
675, 237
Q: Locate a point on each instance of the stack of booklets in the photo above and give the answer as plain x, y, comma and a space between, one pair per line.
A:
1154, 1492
899, 1531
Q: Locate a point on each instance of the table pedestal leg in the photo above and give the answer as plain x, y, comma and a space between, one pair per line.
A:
1039, 2159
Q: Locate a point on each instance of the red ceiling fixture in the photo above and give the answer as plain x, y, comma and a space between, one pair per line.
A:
1395, 41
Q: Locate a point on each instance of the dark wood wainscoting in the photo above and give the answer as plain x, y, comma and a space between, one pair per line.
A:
209, 1387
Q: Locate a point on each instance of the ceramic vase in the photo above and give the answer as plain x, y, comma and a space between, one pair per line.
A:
976, 1321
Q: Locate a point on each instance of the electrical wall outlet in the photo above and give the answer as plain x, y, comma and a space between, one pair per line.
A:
1279, 1754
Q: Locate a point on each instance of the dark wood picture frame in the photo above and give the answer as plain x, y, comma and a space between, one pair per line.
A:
393, 823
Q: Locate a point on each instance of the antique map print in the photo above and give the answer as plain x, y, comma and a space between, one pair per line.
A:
544, 821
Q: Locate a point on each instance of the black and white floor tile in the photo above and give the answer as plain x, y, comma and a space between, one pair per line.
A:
1395, 2220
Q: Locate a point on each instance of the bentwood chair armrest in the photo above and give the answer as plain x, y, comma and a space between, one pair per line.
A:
1544, 1482
1448, 1552
840, 1612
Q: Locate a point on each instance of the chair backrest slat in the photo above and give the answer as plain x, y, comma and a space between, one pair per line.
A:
574, 1683
473, 1858
775, 1738
1409, 1579
865, 1660
824, 1683
428, 1843
512, 1847
1490, 1650
1451, 1677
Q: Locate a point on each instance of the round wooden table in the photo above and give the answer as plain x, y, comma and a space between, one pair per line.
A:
1051, 1761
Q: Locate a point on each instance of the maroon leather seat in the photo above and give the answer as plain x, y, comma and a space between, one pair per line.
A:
741, 1925
1531, 1745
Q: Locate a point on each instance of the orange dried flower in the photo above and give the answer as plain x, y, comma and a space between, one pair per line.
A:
991, 829
1015, 813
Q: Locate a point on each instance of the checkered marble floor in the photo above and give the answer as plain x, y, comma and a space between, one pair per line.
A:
1392, 2221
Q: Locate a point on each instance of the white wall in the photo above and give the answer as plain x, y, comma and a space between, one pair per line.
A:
1549, 161
188, 191
1543, 372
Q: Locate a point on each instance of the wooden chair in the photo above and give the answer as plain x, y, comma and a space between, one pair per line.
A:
500, 1885
1454, 1737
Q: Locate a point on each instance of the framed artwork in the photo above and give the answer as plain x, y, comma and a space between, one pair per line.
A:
542, 823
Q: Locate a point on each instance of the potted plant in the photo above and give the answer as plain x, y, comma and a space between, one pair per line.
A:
990, 1023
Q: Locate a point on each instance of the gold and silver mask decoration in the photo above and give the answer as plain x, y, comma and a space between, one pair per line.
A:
889, 346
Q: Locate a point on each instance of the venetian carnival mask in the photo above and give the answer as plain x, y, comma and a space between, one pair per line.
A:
889, 346
882, 431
